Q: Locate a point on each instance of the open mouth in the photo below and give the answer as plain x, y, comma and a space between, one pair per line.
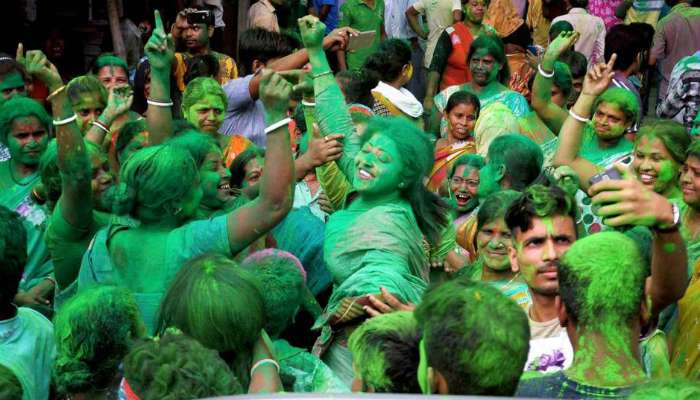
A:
462, 198
364, 174
224, 187
647, 179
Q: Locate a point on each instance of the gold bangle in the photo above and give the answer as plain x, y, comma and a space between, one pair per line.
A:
55, 93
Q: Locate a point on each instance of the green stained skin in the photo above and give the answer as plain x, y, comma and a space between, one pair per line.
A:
88, 108
484, 69
26, 141
473, 16
492, 242
378, 173
465, 189
207, 114
489, 180
653, 161
214, 180
13, 83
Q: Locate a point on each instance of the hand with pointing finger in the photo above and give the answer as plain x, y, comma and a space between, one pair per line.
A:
160, 48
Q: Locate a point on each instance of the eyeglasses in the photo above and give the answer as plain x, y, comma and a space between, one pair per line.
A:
457, 181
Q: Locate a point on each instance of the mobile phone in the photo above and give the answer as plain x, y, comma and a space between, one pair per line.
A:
361, 40
608, 174
535, 50
199, 17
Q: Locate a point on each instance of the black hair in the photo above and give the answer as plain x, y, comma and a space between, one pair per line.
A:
357, 87
8, 65
13, 254
142, 75
463, 97
388, 61
621, 40
579, 3
559, 27
127, 134
521, 157
539, 201
520, 36
475, 353
201, 66
577, 62
262, 45
238, 165
470, 160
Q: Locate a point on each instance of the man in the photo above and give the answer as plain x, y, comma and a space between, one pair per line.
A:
396, 27
196, 38
26, 337
258, 49
439, 14
622, 40
592, 30
601, 284
677, 36
466, 349
364, 16
263, 14
327, 12
683, 97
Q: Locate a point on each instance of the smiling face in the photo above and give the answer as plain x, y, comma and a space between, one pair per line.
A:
214, 180
461, 121
492, 243
653, 164
537, 251
690, 181
88, 109
463, 186
484, 67
112, 76
207, 114
253, 171
27, 140
609, 121
378, 167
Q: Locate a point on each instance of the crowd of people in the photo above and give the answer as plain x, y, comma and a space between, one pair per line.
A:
434, 197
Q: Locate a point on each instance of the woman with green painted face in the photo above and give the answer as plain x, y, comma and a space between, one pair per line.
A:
204, 105
388, 213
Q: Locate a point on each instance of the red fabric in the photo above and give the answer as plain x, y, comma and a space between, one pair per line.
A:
457, 71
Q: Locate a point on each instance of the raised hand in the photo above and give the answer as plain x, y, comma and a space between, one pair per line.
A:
560, 44
338, 38
599, 77
119, 102
274, 93
160, 48
301, 81
312, 31
36, 64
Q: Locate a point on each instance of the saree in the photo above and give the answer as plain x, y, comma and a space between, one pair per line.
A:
444, 158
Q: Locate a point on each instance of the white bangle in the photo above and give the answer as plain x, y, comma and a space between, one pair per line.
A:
65, 121
101, 126
543, 73
308, 103
159, 103
578, 117
263, 362
277, 125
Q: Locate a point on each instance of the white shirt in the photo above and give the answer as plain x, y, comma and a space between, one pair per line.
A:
592, 29
438, 15
395, 22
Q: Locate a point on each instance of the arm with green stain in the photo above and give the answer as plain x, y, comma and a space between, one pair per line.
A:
669, 266
249, 222
595, 83
264, 378
160, 50
551, 114
118, 104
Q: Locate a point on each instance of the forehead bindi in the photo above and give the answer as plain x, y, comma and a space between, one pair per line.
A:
29, 124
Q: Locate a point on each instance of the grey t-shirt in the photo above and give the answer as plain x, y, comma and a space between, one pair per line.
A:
244, 116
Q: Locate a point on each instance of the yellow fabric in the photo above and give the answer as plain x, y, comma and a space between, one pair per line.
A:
685, 356
395, 111
334, 183
538, 24
502, 15
646, 17
466, 233
227, 69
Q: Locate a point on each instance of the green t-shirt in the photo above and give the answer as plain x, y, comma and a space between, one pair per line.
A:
15, 194
602, 157
357, 14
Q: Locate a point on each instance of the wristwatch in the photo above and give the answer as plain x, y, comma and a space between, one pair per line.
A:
662, 228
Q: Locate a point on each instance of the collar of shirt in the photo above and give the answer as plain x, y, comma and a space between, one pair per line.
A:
368, 6
578, 10
268, 5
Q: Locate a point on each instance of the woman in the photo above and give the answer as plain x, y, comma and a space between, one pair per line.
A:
111, 70
461, 112
94, 332
502, 110
449, 64
391, 67
493, 238
88, 97
145, 258
463, 183
389, 214
204, 106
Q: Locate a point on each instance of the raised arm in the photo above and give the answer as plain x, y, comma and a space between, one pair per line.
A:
118, 104
550, 113
249, 222
160, 51
596, 81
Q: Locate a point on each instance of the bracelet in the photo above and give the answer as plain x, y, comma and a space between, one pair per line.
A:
263, 362
168, 103
543, 73
65, 121
578, 117
676, 221
277, 125
100, 125
308, 103
329, 72
55, 93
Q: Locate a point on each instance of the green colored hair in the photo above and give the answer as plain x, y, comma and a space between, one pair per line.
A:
214, 301
494, 45
475, 352
86, 85
601, 281
694, 149
417, 155
19, 107
521, 157
153, 181
385, 352
10, 388
539, 201
672, 134
495, 207
200, 87
667, 389
625, 100
128, 132
173, 367
94, 331
197, 144
13, 254
474, 161
283, 277
563, 78
109, 59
